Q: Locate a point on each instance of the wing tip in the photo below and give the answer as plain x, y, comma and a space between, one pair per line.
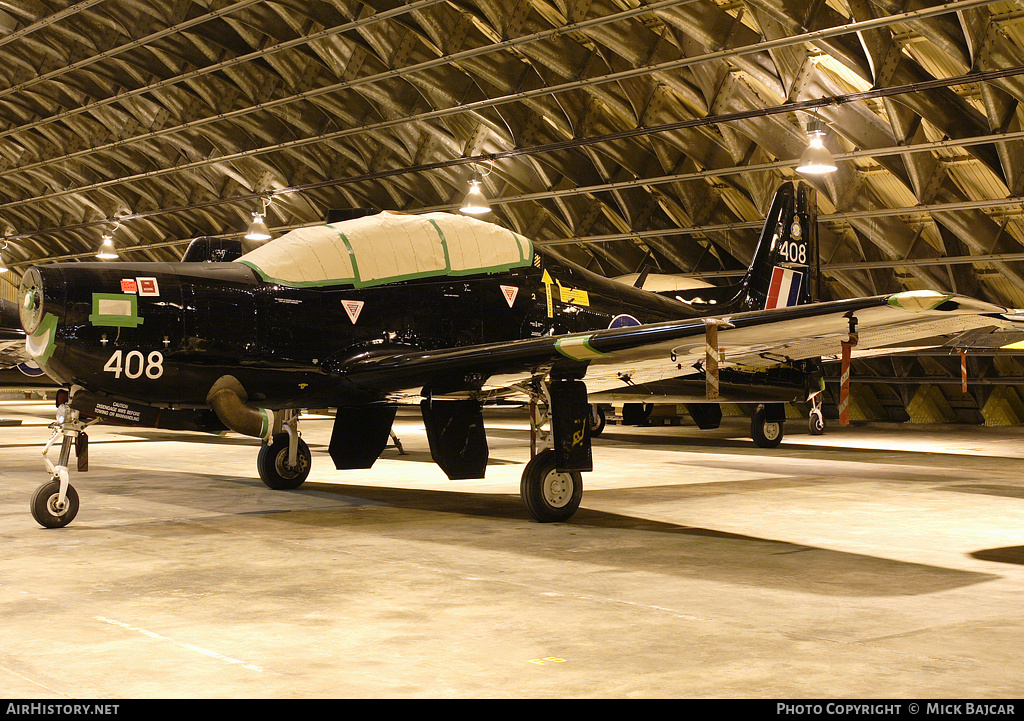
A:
919, 301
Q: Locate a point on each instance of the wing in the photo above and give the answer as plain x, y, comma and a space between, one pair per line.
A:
12, 337
648, 353
12, 352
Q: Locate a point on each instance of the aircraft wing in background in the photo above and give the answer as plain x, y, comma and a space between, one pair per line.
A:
624, 358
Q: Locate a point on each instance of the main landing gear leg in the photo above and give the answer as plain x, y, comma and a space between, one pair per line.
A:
540, 419
552, 485
398, 443
55, 503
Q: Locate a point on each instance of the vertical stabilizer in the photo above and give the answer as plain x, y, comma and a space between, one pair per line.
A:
780, 273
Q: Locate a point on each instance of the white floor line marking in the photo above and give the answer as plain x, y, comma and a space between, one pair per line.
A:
188, 646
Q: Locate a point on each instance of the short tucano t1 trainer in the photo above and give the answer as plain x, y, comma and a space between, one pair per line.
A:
450, 312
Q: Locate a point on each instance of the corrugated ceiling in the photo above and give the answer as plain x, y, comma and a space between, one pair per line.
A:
169, 121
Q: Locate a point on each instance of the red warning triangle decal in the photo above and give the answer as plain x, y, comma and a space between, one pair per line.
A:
353, 308
510, 293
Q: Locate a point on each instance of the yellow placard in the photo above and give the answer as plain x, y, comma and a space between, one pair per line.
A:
573, 295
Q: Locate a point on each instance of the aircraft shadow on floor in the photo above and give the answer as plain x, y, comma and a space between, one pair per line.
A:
605, 539
389, 453
667, 435
989, 489
1009, 554
696, 440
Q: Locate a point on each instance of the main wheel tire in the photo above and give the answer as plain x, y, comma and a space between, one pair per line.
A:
46, 509
765, 434
550, 495
816, 424
272, 464
597, 421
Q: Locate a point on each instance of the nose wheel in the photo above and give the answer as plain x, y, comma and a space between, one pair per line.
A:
816, 423
51, 508
274, 467
816, 419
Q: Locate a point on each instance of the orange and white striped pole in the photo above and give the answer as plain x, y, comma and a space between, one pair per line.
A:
844, 388
711, 359
963, 368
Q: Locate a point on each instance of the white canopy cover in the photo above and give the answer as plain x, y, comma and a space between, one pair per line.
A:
389, 247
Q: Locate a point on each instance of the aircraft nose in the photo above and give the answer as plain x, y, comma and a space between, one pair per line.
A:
40, 306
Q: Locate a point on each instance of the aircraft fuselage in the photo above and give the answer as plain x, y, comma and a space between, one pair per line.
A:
173, 329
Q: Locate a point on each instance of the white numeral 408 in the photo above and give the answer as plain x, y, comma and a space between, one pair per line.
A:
793, 252
134, 364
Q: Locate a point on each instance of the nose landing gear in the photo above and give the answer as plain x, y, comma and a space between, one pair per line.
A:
55, 503
816, 419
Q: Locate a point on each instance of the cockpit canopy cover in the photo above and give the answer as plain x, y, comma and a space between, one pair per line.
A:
387, 248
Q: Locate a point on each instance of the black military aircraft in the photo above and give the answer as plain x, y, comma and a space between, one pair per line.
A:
447, 311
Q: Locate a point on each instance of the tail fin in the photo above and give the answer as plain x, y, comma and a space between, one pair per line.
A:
784, 268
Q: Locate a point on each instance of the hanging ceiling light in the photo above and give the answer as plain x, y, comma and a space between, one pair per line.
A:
475, 202
3, 265
258, 229
107, 250
816, 160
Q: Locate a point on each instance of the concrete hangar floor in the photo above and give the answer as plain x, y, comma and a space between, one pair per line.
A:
875, 561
